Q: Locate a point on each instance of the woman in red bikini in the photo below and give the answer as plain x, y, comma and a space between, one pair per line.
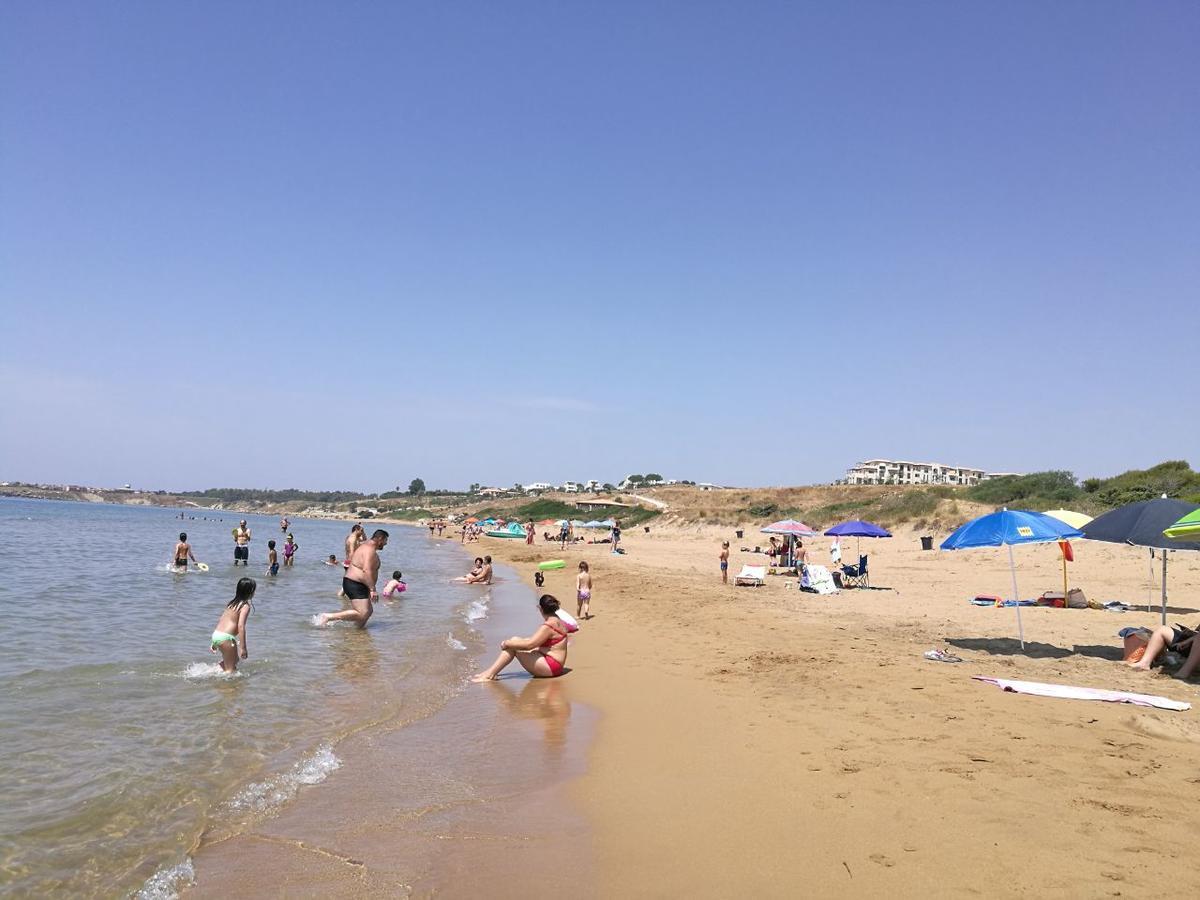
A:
542, 655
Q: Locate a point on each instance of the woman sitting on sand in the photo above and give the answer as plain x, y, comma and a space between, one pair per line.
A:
1178, 640
543, 654
472, 576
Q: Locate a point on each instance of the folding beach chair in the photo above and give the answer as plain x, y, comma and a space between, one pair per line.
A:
751, 576
856, 576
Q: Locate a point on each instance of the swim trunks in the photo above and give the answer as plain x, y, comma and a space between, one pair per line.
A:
724, 565
274, 568
181, 563
585, 595
241, 553
355, 590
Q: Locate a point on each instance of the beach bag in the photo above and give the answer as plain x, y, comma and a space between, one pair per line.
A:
1076, 599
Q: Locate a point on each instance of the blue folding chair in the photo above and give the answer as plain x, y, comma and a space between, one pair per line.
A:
856, 576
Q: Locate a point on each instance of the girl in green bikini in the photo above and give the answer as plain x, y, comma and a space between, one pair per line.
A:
231, 627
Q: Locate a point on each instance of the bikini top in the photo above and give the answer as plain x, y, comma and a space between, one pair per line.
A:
550, 642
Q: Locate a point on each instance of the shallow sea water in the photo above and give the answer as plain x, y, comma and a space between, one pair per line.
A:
125, 748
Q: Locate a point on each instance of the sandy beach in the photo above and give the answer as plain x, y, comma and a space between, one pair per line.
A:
783, 743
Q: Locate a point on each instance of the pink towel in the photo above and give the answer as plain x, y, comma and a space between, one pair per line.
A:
1067, 692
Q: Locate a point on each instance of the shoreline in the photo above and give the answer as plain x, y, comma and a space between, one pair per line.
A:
422, 808
763, 739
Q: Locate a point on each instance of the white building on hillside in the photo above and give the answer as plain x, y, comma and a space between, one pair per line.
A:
538, 486
570, 487
897, 471
593, 485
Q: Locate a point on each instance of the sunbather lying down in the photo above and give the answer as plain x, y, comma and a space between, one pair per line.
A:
1177, 639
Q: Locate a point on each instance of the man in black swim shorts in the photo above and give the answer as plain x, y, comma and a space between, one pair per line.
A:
358, 584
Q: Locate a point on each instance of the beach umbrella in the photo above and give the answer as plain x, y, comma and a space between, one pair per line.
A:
472, 520
1187, 527
856, 528
793, 530
1004, 529
1142, 524
1075, 520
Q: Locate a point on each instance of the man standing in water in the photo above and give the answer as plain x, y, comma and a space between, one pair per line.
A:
241, 544
359, 582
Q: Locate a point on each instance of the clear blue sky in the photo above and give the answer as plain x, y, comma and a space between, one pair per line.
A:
346, 244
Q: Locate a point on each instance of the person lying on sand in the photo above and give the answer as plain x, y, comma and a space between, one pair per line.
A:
543, 654
1177, 639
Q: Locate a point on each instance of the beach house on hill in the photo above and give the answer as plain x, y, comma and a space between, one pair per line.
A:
898, 471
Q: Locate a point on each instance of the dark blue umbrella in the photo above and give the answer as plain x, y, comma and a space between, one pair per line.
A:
1142, 524
857, 528
1005, 528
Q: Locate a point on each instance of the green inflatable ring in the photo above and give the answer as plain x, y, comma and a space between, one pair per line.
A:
552, 564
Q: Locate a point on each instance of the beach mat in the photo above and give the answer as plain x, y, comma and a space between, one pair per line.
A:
1069, 692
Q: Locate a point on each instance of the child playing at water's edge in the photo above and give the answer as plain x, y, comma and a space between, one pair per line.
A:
583, 591
231, 627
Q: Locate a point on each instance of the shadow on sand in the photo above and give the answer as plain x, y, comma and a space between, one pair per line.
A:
1036, 649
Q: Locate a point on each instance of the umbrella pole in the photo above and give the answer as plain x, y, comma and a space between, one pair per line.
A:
1164, 588
1065, 588
1012, 567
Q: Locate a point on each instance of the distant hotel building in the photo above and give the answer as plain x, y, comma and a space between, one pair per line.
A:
896, 471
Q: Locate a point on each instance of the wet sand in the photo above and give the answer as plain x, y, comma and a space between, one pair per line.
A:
465, 801
770, 741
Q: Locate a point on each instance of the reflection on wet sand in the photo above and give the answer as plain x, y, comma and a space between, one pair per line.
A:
542, 700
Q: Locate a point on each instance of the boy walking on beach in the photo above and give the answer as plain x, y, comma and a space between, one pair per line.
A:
724, 562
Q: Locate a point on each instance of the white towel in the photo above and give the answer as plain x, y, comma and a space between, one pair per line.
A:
1067, 692
835, 552
819, 579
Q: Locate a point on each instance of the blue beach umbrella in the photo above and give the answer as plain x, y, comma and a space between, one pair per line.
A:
1005, 528
856, 528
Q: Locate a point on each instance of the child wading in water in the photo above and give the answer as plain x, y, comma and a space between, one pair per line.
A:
395, 586
231, 627
583, 591
289, 550
272, 559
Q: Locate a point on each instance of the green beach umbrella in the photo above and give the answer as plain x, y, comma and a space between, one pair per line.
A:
1187, 528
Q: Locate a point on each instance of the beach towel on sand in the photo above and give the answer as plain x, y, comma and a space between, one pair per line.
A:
819, 579
1067, 692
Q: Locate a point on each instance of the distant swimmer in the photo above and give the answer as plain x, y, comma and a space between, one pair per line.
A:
289, 551
284, 524
359, 582
241, 544
272, 559
396, 585
543, 654
183, 552
231, 627
332, 561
